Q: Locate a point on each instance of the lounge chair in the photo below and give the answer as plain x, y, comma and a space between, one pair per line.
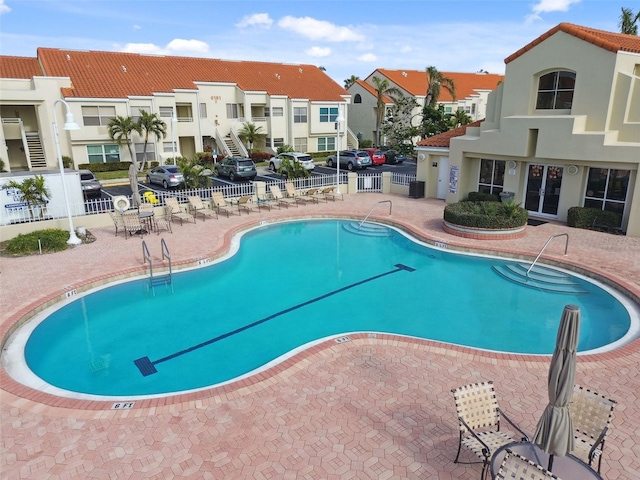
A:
316, 194
266, 202
591, 414
132, 224
292, 192
515, 466
163, 219
176, 210
116, 217
479, 422
246, 203
277, 195
220, 203
199, 208
331, 194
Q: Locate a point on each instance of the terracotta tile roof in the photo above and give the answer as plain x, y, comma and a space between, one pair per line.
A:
371, 89
613, 42
19, 67
415, 82
119, 75
443, 139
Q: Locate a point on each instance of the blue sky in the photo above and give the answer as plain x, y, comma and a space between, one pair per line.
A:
347, 37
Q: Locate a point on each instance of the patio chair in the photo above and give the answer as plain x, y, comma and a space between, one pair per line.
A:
266, 202
516, 467
132, 224
317, 194
479, 422
220, 203
176, 210
199, 208
246, 203
331, 194
163, 219
591, 414
280, 198
292, 192
116, 217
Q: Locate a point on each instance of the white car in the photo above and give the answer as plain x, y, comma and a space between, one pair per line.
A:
303, 158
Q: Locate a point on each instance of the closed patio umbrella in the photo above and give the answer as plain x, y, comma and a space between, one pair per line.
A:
554, 433
133, 180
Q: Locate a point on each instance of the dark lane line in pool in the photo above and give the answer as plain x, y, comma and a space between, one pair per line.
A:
147, 367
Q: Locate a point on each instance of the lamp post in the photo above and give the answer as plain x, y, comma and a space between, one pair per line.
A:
339, 121
174, 121
69, 124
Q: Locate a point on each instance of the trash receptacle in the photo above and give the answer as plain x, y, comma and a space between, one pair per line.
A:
416, 189
507, 196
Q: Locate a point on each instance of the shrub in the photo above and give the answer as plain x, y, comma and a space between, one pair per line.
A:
582, 217
67, 162
51, 240
365, 143
284, 148
482, 197
111, 166
258, 157
490, 215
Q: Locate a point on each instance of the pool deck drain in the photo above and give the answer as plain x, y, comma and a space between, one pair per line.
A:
373, 407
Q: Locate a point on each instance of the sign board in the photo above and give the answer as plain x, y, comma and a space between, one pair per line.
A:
453, 179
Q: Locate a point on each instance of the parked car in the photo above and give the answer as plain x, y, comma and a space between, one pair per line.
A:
165, 175
351, 159
91, 187
303, 159
377, 156
394, 156
236, 168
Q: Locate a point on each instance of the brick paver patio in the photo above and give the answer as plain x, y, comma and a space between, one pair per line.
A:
374, 407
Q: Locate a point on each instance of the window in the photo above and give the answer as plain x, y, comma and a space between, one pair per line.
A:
96, 116
166, 112
103, 153
555, 91
136, 109
169, 147
326, 143
328, 114
203, 110
278, 142
300, 144
151, 152
299, 114
277, 112
448, 110
357, 98
491, 179
232, 110
607, 189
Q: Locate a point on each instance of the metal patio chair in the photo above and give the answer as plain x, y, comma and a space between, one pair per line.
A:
517, 467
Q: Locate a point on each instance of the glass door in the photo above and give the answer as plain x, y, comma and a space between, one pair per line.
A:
544, 183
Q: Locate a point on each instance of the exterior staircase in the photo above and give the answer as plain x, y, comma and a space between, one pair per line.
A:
232, 146
36, 152
540, 278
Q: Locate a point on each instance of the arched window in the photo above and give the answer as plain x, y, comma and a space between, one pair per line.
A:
357, 98
555, 90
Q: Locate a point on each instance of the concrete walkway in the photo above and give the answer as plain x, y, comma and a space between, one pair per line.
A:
369, 408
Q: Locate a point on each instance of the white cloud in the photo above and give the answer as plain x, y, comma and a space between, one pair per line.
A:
318, 51
3, 8
137, 27
255, 20
546, 6
187, 46
368, 57
319, 29
144, 48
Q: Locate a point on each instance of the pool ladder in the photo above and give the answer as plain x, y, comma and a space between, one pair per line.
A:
158, 279
566, 247
372, 208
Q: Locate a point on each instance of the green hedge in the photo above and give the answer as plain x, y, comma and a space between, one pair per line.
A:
582, 217
111, 166
51, 240
490, 215
482, 197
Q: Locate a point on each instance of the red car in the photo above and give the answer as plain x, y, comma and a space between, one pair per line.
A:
377, 157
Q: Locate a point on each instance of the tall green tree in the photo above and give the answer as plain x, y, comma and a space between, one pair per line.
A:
350, 81
120, 130
195, 174
398, 126
434, 121
150, 124
629, 21
383, 88
251, 133
436, 81
33, 191
459, 118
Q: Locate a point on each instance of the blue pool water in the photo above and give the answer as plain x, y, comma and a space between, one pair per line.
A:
293, 283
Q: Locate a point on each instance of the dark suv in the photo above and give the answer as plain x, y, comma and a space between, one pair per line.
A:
236, 168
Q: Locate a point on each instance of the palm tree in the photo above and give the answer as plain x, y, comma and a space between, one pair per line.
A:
251, 133
150, 124
436, 81
120, 130
33, 191
382, 88
628, 22
350, 81
195, 174
459, 118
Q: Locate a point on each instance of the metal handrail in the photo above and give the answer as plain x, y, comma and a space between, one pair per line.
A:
165, 253
374, 206
146, 256
566, 246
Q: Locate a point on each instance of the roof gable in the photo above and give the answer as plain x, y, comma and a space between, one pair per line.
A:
97, 74
19, 67
444, 139
467, 84
372, 90
614, 42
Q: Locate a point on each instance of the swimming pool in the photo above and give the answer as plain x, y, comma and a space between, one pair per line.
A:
291, 284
